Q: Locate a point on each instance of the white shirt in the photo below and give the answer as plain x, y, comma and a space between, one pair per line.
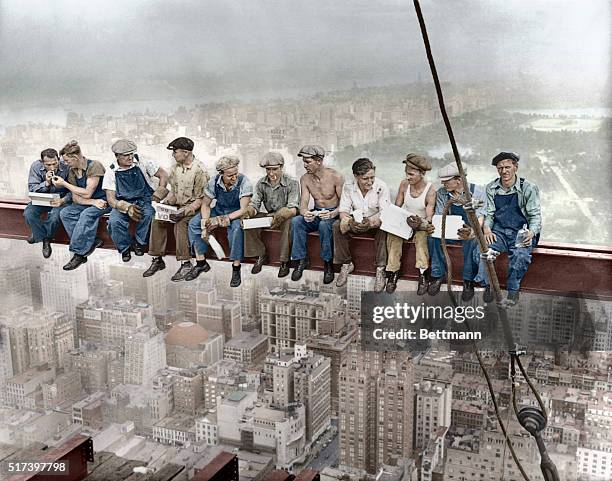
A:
376, 198
148, 167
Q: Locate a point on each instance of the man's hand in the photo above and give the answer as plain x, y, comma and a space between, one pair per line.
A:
249, 212
345, 225
57, 202
465, 232
325, 214
280, 216
309, 216
414, 221
134, 212
359, 227
211, 224
177, 216
159, 194
100, 204
429, 228
528, 238
49, 177
58, 181
224, 220
489, 236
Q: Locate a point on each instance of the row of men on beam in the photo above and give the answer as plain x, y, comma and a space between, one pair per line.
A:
127, 189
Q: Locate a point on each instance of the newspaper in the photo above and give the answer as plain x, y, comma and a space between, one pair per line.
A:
163, 211
393, 220
257, 223
453, 224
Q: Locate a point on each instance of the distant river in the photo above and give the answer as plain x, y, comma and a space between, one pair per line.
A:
597, 112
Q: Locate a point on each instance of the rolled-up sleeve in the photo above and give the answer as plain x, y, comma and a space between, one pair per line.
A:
346, 202
480, 194
293, 199
490, 209
209, 190
533, 208
246, 188
257, 198
199, 183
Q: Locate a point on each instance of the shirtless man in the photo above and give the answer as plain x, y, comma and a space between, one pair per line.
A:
325, 187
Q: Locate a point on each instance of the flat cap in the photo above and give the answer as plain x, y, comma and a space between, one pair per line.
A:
417, 161
123, 147
182, 143
272, 159
311, 151
449, 171
505, 156
227, 162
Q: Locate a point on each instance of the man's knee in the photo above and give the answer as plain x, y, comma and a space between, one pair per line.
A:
326, 225
297, 221
521, 260
31, 212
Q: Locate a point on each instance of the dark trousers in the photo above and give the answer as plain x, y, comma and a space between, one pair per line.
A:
342, 249
254, 246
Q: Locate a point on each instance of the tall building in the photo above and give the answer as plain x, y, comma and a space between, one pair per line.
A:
188, 297
335, 348
432, 410
293, 315
37, 338
151, 290
107, 322
6, 360
15, 286
354, 287
312, 388
375, 410
92, 363
62, 291
145, 355
248, 348
187, 391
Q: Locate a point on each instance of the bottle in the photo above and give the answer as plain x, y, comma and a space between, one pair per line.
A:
521, 235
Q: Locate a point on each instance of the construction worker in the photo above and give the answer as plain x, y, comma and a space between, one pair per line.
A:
187, 179
279, 193
513, 203
129, 190
232, 192
367, 195
40, 178
325, 186
418, 197
82, 216
452, 187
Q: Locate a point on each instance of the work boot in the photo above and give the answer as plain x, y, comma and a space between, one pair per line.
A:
138, 249
392, 281
488, 295
236, 280
381, 279
46, 250
434, 285
126, 256
261, 260
97, 243
199, 268
513, 297
158, 264
345, 270
328, 272
423, 283
299, 270
284, 269
182, 272
75, 262
468, 291
31, 239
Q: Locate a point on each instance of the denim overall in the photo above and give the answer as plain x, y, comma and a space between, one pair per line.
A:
227, 202
132, 187
81, 221
508, 220
471, 254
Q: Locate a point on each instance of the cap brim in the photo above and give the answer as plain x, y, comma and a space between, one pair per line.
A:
447, 177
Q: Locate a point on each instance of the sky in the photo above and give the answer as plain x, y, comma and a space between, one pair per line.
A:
65, 47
